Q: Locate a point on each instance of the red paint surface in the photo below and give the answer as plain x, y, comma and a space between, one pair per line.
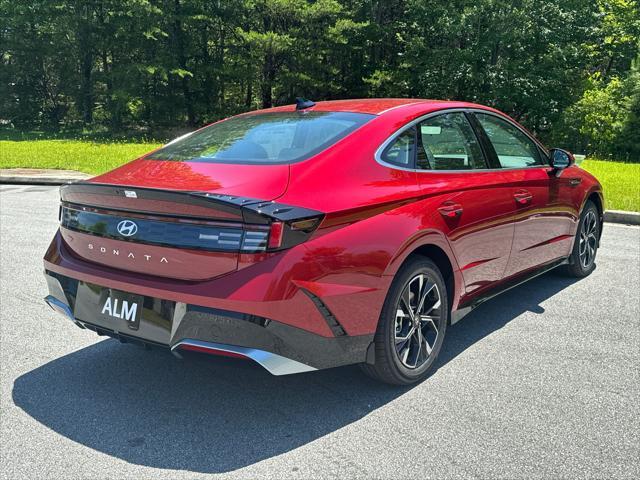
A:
262, 182
376, 216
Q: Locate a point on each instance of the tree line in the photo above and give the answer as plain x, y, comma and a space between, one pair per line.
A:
568, 69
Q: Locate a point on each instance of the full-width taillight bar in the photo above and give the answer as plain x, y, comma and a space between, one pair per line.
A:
262, 226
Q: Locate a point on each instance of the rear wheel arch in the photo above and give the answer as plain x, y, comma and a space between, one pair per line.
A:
434, 245
597, 200
438, 256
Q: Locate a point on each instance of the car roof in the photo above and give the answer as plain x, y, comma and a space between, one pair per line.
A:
376, 106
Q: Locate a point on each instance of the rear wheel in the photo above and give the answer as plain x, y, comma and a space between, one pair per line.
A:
585, 247
412, 324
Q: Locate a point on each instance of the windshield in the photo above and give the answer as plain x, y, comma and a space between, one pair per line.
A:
266, 138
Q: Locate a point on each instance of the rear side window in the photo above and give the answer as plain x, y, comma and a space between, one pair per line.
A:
268, 138
401, 151
513, 147
448, 142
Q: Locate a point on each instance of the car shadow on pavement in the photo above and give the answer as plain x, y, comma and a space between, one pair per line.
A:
497, 312
214, 415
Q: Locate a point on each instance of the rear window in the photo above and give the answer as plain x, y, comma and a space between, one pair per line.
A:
266, 138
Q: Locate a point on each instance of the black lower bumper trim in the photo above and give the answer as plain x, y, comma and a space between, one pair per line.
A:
165, 323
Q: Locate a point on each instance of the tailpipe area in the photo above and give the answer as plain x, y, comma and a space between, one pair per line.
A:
273, 363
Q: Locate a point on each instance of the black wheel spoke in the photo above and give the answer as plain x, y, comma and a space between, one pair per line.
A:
417, 324
588, 240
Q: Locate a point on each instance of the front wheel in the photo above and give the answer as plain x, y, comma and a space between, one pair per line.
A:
412, 324
583, 255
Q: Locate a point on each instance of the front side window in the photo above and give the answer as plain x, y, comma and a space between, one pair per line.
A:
448, 142
267, 138
513, 147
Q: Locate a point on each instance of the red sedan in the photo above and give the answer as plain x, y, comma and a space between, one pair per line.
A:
321, 234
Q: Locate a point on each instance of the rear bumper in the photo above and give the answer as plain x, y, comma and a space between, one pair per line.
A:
278, 347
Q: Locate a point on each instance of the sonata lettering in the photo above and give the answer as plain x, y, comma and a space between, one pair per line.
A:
116, 252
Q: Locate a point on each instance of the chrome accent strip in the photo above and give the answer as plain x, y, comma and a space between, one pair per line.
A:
60, 307
394, 135
273, 363
400, 106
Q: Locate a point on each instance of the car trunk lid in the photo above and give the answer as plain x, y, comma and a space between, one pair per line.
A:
194, 232
263, 182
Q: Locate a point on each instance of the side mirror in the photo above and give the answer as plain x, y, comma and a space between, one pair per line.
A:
561, 159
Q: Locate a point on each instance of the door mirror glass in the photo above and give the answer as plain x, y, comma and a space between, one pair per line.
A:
561, 159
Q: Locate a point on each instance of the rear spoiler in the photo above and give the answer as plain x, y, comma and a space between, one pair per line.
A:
184, 203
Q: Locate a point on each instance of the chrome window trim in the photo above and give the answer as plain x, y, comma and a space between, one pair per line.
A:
412, 123
399, 106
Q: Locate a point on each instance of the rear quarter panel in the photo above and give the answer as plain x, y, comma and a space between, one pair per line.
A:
355, 263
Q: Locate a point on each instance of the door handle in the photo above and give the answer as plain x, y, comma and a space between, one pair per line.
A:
523, 197
450, 209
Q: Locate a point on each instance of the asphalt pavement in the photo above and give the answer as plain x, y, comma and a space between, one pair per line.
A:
542, 381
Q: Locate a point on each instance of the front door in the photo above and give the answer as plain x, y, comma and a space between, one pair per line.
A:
543, 226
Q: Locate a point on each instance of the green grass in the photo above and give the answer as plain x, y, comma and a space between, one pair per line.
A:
83, 156
620, 182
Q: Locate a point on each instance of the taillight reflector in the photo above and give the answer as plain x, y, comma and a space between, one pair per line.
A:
275, 235
306, 225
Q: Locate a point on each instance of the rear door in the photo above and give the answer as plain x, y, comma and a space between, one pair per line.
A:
474, 202
543, 221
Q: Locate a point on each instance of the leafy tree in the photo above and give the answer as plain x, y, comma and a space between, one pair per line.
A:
562, 67
629, 139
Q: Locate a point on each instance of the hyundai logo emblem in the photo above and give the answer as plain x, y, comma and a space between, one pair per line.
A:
127, 228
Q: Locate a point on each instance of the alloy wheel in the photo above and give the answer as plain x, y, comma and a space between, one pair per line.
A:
418, 321
588, 239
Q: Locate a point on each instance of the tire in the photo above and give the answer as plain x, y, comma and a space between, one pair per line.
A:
585, 245
404, 353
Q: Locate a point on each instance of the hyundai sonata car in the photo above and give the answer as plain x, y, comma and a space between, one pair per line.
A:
322, 234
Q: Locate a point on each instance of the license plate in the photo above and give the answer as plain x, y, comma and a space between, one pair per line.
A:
114, 309
122, 306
